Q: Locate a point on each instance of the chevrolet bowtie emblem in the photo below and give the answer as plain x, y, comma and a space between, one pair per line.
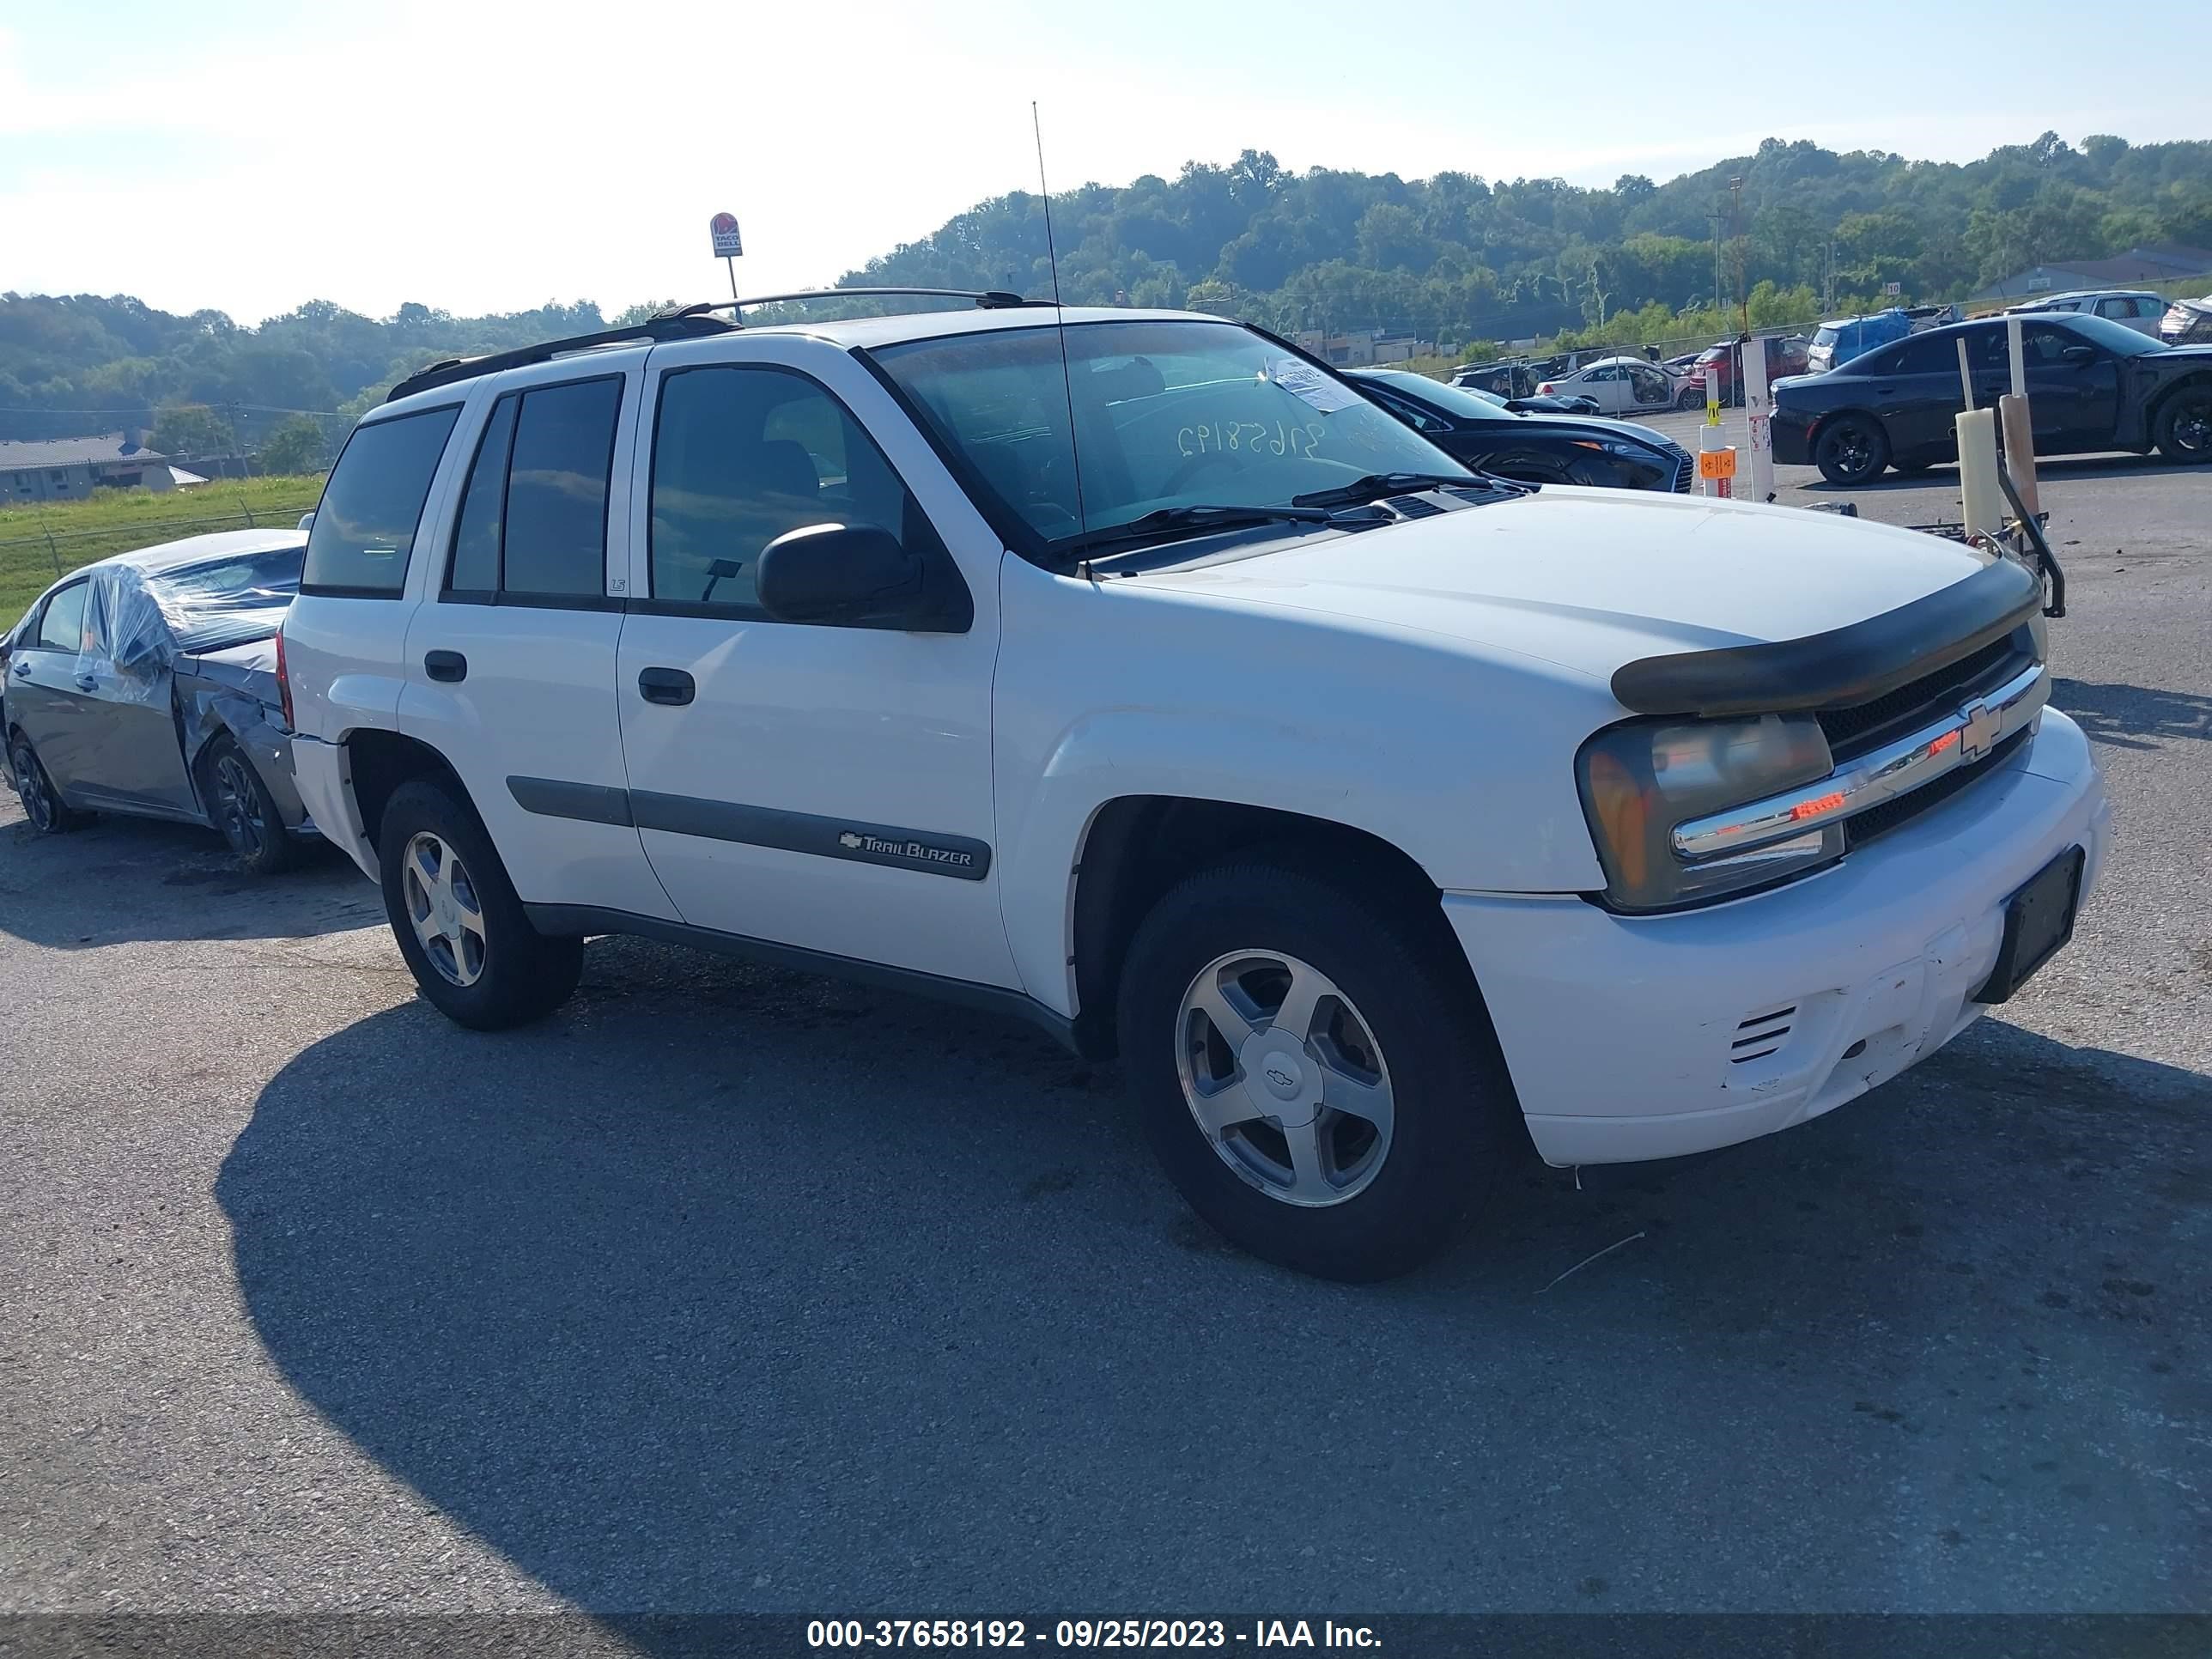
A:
1980, 735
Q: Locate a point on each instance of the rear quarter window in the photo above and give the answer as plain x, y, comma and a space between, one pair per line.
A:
365, 524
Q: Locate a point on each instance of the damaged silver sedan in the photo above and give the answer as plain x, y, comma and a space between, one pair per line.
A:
146, 685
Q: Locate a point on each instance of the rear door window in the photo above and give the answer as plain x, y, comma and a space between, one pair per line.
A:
554, 543
1927, 355
533, 527
366, 523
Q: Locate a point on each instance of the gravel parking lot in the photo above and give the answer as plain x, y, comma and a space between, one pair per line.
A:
730, 1289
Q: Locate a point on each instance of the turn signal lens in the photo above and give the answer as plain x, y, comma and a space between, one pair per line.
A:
1640, 780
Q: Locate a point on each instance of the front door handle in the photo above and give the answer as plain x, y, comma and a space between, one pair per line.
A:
87, 683
671, 686
23, 669
448, 666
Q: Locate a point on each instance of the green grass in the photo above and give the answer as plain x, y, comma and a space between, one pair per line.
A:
43, 540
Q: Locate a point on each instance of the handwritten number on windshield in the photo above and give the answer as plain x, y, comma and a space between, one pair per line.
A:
1248, 438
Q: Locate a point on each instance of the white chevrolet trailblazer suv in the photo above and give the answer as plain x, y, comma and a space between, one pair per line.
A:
1139, 676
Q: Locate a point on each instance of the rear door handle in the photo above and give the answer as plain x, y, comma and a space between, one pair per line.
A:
448, 665
671, 686
23, 669
87, 683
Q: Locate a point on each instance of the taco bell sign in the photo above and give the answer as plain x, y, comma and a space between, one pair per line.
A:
726, 243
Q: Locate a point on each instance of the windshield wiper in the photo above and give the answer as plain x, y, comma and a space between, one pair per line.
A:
1376, 485
1168, 523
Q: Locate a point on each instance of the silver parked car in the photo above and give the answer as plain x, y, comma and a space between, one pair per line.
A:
146, 684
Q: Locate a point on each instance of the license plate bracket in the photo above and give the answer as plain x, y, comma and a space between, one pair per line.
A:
2038, 922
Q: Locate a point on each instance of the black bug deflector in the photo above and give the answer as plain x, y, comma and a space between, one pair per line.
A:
1844, 666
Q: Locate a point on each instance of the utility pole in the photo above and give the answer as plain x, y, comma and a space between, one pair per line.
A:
1716, 218
1735, 235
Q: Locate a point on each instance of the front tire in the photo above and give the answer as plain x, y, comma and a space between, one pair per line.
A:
244, 810
461, 928
1853, 450
49, 814
2184, 426
1317, 1074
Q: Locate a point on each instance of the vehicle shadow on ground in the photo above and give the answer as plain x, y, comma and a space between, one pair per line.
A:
120, 880
2133, 716
733, 1290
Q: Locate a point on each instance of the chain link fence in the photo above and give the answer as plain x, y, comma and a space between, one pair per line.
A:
34, 551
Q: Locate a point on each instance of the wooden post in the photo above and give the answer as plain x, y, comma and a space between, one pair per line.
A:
2020, 449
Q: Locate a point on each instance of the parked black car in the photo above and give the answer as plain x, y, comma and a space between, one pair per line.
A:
2091, 384
146, 685
1534, 448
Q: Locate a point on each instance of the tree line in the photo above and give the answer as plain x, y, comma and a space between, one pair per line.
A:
1456, 259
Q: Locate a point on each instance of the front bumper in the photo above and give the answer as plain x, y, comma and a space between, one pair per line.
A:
1637, 1037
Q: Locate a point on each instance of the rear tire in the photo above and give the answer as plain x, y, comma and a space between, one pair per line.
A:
2184, 426
460, 926
1390, 1008
244, 810
1853, 450
49, 814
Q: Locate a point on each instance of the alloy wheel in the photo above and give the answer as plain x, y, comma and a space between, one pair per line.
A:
31, 788
1283, 1077
238, 807
2192, 427
443, 905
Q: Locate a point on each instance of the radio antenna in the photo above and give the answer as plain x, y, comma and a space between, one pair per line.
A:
1060, 322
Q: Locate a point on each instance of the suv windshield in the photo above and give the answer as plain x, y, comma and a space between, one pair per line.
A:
1167, 414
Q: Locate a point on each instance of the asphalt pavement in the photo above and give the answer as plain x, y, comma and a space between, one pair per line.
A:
734, 1290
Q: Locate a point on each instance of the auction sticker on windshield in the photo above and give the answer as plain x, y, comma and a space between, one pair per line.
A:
1304, 381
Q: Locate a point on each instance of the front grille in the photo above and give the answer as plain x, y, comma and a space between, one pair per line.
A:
1892, 814
1685, 469
1851, 731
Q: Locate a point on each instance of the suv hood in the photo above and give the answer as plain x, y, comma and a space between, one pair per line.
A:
1591, 579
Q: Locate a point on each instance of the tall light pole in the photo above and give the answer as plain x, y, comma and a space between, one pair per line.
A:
1735, 235
1716, 218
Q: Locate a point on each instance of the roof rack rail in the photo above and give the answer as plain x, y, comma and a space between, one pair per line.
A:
984, 299
685, 324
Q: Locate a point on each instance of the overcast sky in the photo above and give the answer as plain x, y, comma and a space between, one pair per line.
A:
252, 155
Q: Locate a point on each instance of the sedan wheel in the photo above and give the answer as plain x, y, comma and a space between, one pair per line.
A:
238, 807
1284, 1078
2184, 428
48, 813
1852, 450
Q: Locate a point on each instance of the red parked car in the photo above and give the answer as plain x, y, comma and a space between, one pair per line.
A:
1784, 355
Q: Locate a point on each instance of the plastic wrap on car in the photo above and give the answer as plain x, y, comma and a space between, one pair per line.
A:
134, 623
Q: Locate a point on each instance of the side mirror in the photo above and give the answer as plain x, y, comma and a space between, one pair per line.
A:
844, 576
2078, 357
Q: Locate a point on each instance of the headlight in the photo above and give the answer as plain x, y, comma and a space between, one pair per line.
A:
1641, 780
1620, 447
